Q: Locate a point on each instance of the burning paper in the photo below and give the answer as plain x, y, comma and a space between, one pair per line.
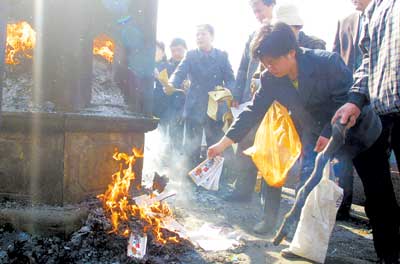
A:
122, 210
208, 173
148, 200
137, 246
172, 225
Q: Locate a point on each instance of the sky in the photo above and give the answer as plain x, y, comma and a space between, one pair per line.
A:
234, 21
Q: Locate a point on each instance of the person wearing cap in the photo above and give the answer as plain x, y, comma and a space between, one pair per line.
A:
289, 14
346, 45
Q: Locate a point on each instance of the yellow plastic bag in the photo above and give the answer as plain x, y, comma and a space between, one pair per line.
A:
276, 147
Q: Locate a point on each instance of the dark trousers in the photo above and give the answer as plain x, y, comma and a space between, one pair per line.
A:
244, 168
381, 206
395, 141
271, 201
176, 134
194, 134
343, 170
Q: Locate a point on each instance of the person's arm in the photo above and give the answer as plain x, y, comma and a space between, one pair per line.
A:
336, 44
253, 114
229, 78
219, 147
241, 75
249, 118
340, 81
359, 92
181, 73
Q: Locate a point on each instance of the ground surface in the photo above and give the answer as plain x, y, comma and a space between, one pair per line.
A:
351, 241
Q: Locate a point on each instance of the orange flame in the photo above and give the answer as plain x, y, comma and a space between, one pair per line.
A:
119, 205
21, 39
104, 47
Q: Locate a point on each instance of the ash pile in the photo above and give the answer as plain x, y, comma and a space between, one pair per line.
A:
93, 243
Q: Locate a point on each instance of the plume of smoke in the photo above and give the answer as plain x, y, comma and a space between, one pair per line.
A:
161, 156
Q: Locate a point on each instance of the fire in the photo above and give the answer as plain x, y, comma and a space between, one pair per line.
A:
119, 204
104, 47
21, 39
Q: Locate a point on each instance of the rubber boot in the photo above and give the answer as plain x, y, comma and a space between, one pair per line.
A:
272, 200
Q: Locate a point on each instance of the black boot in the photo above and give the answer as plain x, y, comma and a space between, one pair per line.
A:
272, 199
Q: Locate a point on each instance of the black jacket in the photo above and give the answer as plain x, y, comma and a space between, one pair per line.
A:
324, 81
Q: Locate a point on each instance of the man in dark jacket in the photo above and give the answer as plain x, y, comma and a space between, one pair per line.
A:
206, 68
346, 45
246, 170
311, 84
289, 14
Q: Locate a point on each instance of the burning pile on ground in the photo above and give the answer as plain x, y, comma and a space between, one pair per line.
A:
113, 219
93, 243
123, 210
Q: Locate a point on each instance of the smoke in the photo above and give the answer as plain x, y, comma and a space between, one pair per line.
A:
163, 157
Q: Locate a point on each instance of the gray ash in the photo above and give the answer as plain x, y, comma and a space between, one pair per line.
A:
93, 243
18, 86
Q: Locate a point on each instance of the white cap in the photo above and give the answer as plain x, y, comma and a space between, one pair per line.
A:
289, 14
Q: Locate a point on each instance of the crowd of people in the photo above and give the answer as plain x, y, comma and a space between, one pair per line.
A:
357, 84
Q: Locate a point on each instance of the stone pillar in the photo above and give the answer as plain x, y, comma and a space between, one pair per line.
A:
134, 64
149, 22
3, 32
65, 156
64, 37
